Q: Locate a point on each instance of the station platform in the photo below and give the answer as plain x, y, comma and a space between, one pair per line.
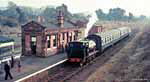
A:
32, 64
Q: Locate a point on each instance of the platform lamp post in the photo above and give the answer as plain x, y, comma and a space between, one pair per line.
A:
1, 72
12, 55
13, 48
58, 40
61, 25
63, 47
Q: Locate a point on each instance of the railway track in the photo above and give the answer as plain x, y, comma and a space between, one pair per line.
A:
65, 72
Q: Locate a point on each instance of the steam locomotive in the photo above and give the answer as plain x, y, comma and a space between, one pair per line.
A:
85, 49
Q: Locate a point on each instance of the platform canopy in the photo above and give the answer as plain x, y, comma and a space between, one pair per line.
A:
5, 41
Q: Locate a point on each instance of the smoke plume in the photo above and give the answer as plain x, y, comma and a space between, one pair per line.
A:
92, 20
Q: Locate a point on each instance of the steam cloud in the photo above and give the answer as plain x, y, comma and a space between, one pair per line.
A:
92, 20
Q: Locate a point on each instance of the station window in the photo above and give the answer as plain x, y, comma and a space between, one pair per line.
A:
63, 36
48, 42
67, 37
55, 41
74, 37
70, 38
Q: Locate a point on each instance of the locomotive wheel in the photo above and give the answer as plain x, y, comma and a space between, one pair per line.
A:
81, 64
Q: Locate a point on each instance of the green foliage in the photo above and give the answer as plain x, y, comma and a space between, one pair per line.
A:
117, 14
142, 17
80, 16
22, 14
101, 15
15, 15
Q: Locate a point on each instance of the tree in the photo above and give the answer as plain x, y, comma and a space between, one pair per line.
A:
65, 11
80, 16
11, 4
130, 16
116, 14
22, 17
142, 17
100, 14
49, 12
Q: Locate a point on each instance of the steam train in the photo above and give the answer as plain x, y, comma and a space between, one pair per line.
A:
85, 49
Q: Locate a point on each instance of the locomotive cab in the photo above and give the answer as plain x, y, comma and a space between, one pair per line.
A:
76, 51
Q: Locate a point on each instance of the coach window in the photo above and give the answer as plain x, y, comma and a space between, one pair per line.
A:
105, 40
113, 36
110, 37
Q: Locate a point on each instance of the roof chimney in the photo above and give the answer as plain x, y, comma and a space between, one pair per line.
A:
40, 19
61, 19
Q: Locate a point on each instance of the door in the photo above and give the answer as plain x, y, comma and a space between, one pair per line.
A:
33, 45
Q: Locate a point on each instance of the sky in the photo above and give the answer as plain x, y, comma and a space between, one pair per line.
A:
137, 7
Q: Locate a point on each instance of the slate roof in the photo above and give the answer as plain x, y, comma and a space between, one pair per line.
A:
54, 24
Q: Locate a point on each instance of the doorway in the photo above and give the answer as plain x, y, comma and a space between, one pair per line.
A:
33, 45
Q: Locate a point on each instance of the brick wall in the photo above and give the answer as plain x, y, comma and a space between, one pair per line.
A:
96, 29
39, 45
27, 45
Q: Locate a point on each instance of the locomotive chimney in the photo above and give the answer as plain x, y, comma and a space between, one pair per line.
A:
60, 19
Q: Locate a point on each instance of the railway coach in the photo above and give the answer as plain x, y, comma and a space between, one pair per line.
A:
84, 50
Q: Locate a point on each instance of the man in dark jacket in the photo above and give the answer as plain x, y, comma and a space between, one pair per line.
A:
7, 71
12, 61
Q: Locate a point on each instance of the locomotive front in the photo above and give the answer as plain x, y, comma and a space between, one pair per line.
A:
78, 50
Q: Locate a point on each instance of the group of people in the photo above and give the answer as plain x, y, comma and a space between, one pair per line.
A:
10, 64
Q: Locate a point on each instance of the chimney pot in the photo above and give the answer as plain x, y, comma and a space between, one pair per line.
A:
61, 19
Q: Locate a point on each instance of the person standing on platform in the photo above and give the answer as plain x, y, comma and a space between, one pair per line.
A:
66, 48
19, 65
63, 48
7, 71
12, 61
